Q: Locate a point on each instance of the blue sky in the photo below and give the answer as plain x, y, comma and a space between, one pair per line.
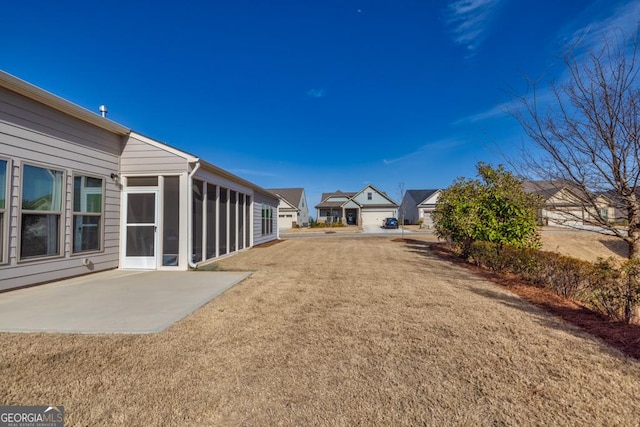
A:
324, 95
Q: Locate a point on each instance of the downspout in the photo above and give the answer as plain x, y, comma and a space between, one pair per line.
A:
192, 264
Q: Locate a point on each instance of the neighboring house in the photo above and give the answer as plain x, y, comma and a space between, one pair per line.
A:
418, 205
565, 205
366, 207
80, 193
620, 213
293, 209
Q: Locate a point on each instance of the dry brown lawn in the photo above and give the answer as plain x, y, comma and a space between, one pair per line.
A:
582, 244
335, 331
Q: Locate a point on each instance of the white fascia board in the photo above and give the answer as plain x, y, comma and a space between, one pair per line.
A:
235, 178
285, 202
162, 146
431, 200
347, 204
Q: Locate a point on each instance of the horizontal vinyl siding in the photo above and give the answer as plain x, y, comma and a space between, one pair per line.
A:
411, 215
31, 133
258, 201
37, 118
139, 157
17, 142
51, 271
377, 199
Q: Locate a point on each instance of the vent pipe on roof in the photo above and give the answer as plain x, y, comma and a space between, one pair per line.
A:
103, 110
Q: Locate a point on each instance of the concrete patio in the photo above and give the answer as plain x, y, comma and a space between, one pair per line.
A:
116, 301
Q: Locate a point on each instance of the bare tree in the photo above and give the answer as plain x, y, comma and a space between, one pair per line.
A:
402, 209
587, 139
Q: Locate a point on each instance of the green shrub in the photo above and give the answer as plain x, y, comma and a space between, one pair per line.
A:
313, 223
494, 208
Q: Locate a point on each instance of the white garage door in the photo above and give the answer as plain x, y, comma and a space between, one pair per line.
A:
375, 217
285, 221
428, 219
569, 219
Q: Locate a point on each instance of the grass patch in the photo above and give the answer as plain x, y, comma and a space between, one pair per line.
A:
344, 331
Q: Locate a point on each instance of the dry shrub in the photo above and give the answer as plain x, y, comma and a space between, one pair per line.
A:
605, 286
616, 290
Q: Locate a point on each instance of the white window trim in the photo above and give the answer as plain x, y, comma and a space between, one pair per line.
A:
101, 215
6, 212
62, 213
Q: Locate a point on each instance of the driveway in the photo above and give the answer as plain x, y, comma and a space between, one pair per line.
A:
376, 229
116, 301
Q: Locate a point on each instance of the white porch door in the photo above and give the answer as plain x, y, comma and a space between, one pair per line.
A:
141, 229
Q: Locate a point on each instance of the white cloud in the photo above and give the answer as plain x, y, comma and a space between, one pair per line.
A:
316, 93
469, 20
617, 27
493, 112
544, 95
443, 144
624, 21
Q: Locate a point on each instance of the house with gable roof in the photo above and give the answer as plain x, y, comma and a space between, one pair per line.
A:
418, 205
366, 207
80, 193
293, 208
566, 205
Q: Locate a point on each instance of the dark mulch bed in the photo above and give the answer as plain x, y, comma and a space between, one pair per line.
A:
619, 335
268, 244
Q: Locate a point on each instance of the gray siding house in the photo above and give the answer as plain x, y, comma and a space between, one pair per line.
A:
293, 208
80, 193
418, 205
566, 205
368, 207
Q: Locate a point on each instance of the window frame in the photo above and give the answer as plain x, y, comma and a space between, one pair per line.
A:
5, 212
22, 212
75, 213
267, 219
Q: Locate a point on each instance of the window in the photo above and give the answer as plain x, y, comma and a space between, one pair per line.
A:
42, 191
142, 181
171, 221
247, 216
233, 219
211, 221
241, 219
3, 205
224, 215
198, 220
369, 196
87, 213
267, 222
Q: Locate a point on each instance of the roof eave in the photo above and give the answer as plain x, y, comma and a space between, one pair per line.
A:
225, 174
30, 91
